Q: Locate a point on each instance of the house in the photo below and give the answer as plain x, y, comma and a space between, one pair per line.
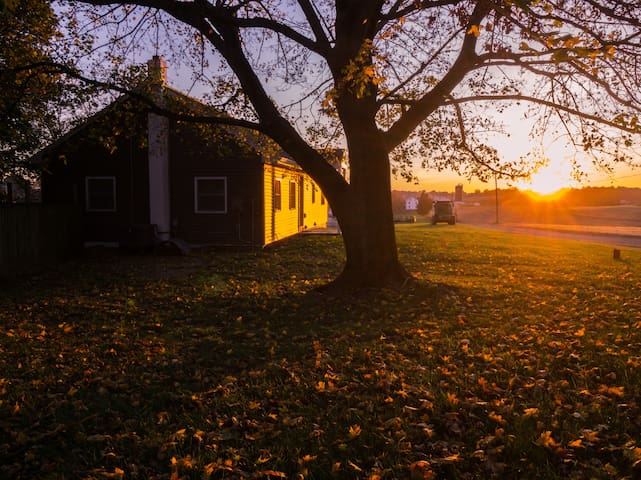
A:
411, 203
15, 189
337, 158
140, 178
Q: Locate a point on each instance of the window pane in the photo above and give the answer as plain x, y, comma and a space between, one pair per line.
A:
292, 195
211, 186
211, 195
100, 194
277, 196
211, 203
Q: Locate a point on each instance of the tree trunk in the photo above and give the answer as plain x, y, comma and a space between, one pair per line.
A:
367, 221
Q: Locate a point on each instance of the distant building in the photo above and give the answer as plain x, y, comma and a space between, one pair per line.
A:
337, 158
411, 203
458, 193
15, 189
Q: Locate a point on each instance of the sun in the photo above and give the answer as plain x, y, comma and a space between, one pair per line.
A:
549, 179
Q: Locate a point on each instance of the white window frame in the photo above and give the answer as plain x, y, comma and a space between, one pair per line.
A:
196, 179
87, 193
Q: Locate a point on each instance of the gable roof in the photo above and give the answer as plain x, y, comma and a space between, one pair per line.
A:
257, 142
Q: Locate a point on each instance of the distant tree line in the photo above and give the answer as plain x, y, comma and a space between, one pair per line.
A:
574, 197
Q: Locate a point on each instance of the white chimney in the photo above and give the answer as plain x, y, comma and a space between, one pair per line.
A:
158, 154
157, 70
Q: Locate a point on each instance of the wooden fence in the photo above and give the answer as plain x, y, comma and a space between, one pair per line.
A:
32, 236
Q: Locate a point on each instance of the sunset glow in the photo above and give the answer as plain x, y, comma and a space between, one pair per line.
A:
549, 179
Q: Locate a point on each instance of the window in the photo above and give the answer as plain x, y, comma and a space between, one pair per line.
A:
313, 193
292, 195
277, 195
210, 194
322, 199
100, 194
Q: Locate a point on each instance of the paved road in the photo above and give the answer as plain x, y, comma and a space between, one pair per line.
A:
629, 237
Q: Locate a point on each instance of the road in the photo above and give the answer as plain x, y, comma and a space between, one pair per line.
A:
629, 237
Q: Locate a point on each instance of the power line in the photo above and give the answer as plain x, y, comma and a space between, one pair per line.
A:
614, 179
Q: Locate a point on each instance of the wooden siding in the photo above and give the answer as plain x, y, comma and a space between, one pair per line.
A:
316, 211
284, 222
68, 166
192, 156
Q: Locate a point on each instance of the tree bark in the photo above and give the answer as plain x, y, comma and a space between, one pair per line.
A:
367, 221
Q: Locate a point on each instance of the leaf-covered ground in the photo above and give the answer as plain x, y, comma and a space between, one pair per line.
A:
515, 357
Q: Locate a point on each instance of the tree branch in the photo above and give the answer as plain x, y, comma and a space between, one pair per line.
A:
396, 12
546, 103
470, 151
423, 107
53, 68
315, 24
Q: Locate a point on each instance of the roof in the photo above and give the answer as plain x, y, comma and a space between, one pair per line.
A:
171, 97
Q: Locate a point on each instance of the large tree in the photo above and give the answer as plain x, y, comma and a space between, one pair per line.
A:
29, 88
397, 80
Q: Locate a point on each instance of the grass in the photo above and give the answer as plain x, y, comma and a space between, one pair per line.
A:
515, 357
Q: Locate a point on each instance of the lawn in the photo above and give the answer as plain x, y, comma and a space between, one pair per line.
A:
514, 357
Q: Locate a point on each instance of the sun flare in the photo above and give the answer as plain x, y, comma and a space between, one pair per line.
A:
549, 179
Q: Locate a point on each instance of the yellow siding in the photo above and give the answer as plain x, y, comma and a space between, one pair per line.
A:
284, 222
316, 210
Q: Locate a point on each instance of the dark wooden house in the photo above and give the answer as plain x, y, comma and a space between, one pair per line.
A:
139, 178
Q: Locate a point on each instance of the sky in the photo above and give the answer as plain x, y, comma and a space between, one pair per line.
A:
554, 176
548, 181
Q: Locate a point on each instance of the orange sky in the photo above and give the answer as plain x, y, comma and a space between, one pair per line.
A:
515, 142
549, 179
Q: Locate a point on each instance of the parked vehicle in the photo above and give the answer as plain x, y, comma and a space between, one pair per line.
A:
444, 212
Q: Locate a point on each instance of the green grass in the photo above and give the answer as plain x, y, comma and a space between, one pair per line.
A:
514, 357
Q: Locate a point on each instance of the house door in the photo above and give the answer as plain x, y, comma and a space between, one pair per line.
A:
301, 203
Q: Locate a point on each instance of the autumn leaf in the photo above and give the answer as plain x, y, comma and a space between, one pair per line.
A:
571, 42
635, 454
474, 30
269, 474
590, 436
546, 441
117, 474
421, 470
354, 431
614, 391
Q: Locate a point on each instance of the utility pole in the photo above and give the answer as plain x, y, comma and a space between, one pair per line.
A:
496, 194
